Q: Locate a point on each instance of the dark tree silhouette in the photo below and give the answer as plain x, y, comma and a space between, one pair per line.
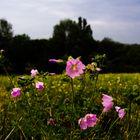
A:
70, 38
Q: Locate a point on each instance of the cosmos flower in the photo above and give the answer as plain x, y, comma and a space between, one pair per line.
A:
34, 72
121, 112
89, 120
74, 67
107, 102
16, 92
39, 85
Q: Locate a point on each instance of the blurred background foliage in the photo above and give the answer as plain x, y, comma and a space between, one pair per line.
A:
69, 38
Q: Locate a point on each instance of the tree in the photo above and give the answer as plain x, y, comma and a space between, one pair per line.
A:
73, 38
65, 36
21, 38
84, 27
86, 40
6, 34
5, 29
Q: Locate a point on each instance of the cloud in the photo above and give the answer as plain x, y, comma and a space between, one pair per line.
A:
118, 20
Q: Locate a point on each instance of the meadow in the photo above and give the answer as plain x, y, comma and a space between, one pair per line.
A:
55, 111
78, 104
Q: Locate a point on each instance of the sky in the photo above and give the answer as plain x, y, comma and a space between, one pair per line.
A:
115, 19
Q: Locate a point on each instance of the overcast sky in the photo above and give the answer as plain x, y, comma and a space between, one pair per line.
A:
116, 19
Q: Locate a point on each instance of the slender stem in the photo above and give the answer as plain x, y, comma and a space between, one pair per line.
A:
4, 120
111, 127
96, 81
100, 117
50, 108
73, 109
22, 132
10, 133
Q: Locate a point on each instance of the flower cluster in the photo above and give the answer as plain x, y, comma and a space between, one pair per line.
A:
39, 85
93, 67
107, 102
74, 68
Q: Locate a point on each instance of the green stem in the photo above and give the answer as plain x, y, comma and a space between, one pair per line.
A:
4, 120
96, 81
111, 127
50, 108
100, 117
73, 108
10, 133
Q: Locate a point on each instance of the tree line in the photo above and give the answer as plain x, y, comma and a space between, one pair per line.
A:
70, 38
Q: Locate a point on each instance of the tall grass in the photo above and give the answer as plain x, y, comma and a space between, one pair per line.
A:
49, 114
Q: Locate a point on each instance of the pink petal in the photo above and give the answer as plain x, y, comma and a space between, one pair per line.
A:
121, 113
83, 123
39, 86
117, 108
107, 102
74, 68
15, 92
91, 120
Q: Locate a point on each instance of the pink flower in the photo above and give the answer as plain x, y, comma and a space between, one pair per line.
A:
83, 123
55, 60
39, 85
117, 108
107, 102
98, 69
15, 92
34, 72
51, 121
74, 68
91, 120
121, 112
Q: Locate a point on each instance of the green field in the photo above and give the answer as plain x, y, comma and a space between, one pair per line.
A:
27, 117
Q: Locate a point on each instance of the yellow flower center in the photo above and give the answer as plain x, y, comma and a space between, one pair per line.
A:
74, 67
